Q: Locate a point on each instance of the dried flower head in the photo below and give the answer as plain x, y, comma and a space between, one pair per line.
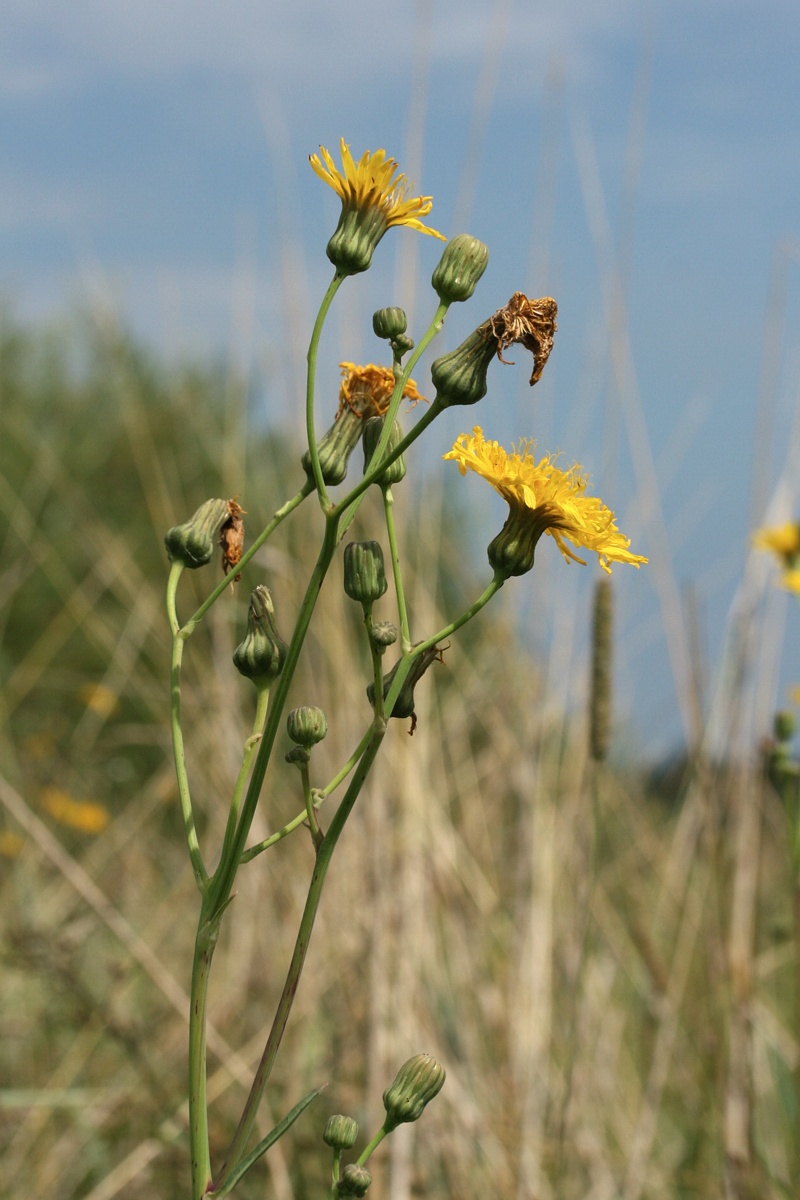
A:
530, 323
367, 390
231, 538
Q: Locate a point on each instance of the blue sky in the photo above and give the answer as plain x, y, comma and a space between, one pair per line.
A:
640, 162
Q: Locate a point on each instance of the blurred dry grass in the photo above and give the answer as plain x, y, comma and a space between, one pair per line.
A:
606, 974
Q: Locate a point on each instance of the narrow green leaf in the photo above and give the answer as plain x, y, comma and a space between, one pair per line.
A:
243, 1166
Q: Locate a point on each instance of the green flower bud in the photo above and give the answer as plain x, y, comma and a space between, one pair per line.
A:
511, 552
784, 726
364, 574
404, 704
298, 756
383, 633
193, 543
389, 323
372, 433
402, 344
355, 1181
261, 655
460, 376
462, 263
306, 726
335, 447
417, 1082
340, 1132
353, 243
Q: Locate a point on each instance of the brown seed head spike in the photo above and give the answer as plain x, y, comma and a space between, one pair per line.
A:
531, 323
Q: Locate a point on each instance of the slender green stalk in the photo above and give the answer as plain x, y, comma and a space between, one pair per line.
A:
281, 515
324, 855
311, 815
471, 612
313, 347
198, 1103
372, 1145
319, 794
262, 705
391, 533
178, 749
224, 876
348, 506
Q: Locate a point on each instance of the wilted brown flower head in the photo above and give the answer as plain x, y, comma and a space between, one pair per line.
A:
231, 538
531, 323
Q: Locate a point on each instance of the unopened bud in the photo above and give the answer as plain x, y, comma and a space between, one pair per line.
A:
262, 653
340, 1132
298, 756
389, 323
193, 543
383, 633
460, 376
417, 1082
364, 574
462, 263
355, 1181
372, 433
306, 726
335, 447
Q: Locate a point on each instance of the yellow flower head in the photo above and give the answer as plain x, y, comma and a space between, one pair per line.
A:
367, 390
85, 815
541, 499
374, 196
784, 542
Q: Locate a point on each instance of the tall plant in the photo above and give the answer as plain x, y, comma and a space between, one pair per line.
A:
542, 499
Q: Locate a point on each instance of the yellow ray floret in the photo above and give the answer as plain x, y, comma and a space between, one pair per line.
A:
545, 499
374, 183
784, 542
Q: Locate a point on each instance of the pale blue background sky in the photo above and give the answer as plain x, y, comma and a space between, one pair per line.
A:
155, 155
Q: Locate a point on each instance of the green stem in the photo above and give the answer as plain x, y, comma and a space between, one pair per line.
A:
311, 816
178, 749
388, 508
282, 513
225, 874
372, 1145
313, 346
348, 506
323, 859
319, 794
471, 612
262, 705
198, 1103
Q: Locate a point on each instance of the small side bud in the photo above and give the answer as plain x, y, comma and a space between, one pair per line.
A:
460, 376
193, 543
462, 263
298, 756
402, 344
389, 323
355, 1181
417, 1082
364, 574
262, 653
340, 1132
383, 633
306, 726
372, 433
